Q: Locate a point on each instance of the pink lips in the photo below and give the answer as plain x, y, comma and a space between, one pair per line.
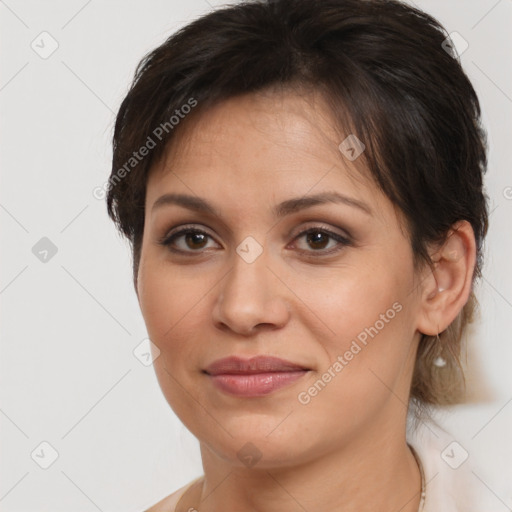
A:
257, 376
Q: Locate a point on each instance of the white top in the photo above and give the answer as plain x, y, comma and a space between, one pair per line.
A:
450, 484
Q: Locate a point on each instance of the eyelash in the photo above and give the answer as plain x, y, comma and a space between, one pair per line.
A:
343, 241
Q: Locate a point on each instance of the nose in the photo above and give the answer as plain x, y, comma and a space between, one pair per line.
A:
251, 298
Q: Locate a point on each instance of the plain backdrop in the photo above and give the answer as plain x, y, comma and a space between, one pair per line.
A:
74, 396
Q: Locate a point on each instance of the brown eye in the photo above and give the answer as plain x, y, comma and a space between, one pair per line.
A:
187, 240
195, 240
317, 240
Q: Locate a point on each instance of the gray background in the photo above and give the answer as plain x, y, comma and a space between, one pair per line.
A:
70, 324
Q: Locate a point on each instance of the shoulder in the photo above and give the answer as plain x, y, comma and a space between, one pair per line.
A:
169, 503
450, 483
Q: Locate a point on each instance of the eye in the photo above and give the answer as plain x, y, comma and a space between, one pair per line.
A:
193, 240
186, 240
318, 238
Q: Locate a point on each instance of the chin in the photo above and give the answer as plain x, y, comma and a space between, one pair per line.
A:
257, 455
259, 445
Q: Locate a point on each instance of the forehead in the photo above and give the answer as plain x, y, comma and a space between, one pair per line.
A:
249, 154
269, 132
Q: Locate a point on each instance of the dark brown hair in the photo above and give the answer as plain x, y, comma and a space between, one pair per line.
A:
385, 70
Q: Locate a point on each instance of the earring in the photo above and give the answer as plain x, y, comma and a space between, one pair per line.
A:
439, 361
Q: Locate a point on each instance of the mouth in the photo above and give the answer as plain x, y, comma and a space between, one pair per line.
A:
253, 377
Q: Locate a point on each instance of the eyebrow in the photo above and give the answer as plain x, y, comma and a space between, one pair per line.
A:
280, 210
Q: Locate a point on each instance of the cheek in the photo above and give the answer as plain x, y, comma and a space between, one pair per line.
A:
351, 299
171, 306
367, 323
168, 298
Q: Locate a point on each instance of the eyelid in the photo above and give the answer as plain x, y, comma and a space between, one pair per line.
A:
341, 240
178, 230
298, 231
320, 226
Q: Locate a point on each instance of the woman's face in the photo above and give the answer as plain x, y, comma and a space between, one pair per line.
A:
341, 303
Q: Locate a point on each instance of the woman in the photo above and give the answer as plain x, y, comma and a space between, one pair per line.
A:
301, 184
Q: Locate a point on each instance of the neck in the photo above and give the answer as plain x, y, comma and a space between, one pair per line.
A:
370, 473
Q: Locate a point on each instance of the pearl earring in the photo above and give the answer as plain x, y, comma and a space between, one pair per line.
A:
439, 361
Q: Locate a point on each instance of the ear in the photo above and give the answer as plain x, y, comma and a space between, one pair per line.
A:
446, 288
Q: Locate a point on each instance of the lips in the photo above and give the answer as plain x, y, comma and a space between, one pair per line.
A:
255, 377
259, 364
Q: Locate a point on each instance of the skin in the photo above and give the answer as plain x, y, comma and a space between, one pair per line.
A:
346, 448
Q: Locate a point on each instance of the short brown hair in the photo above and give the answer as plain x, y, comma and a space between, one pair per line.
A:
385, 70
